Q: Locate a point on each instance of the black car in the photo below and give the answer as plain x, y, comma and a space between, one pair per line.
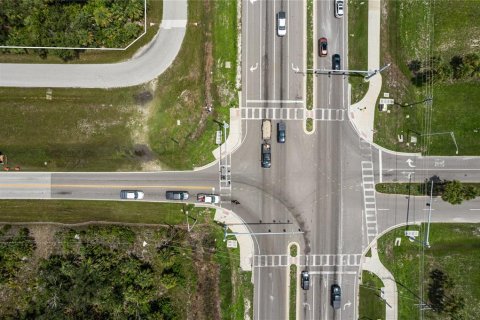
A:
266, 155
305, 280
336, 61
176, 195
281, 132
336, 296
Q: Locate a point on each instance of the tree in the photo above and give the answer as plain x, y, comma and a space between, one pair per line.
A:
455, 192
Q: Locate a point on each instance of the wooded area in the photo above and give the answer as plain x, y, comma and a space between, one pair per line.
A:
70, 23
107, 272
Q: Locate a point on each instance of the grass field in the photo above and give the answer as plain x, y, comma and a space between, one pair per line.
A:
405, 36
114, 130
88, 129
455, 250
357, 46
371, 305
183, 93
68, 211
154, 15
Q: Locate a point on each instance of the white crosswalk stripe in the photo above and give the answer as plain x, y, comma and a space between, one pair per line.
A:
370, 204
321, 114
318, 260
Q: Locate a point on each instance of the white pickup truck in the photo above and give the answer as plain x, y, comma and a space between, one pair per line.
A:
208, 198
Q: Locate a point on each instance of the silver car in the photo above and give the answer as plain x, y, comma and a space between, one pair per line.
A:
338, 8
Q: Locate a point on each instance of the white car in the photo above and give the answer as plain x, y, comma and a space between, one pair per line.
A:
208, 198
281, 24
131, 194
338, 8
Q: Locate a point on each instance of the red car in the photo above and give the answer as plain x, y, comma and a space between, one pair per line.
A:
322, 47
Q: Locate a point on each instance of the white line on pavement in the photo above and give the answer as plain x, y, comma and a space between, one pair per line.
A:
474, 209
381, 165
275, 101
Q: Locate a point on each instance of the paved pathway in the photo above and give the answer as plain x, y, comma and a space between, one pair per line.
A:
148, 65
390, 293
362, 113
245, 241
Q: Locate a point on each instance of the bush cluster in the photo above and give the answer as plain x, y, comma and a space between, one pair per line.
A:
67, 23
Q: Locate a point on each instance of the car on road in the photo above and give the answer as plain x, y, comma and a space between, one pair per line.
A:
281, 132
322, 47
336, 296
336, 61
338, 8
208, 198
176, 195
305, 280
266, 159
131, 194
281, 24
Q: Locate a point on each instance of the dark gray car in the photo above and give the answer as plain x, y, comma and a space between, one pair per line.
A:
336, 296
336, 61
305, 280
176, 195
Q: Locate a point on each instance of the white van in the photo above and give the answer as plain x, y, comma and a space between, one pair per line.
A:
338, 8
281, 24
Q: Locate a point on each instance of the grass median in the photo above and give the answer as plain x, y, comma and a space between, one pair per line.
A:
293, 293
444, 277
310, 54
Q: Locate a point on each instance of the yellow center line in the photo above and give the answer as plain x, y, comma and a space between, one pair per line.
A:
45, 185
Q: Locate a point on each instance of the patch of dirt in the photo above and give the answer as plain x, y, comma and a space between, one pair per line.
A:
44, 235
208, 70
144, 97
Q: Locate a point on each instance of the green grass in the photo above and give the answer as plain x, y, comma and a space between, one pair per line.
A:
455, 250
414, 189
309, 124
235, 285
99, 130
225, 50
310, 54
293, 292
293, 250
405, 37
69, 211
358, 46
154, 15
372, 306
369, 253
79, 129
182, 92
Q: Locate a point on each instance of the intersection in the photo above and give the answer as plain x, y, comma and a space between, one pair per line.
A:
318, 193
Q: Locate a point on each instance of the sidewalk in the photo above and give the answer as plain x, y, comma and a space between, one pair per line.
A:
234, 139
390, 293
362, 113
245, 242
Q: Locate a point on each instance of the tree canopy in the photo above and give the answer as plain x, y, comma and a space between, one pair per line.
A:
70, 23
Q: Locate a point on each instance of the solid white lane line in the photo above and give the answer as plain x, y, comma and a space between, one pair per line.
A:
380, 165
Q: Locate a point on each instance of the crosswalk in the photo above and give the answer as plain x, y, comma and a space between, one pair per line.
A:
320, 114
319, 260
370, 205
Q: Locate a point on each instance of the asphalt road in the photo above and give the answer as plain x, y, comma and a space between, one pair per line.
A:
319, 191
148, 65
